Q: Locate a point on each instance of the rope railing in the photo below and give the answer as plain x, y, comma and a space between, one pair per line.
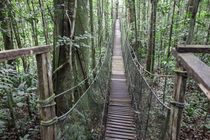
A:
137, 64
90, 86
87, 78
152, 115
140, 66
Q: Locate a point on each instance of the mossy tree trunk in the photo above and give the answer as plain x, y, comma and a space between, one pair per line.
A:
71, 61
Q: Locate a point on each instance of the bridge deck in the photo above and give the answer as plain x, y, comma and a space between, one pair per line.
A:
120, 122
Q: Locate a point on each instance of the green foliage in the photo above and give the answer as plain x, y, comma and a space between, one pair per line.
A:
63, 41
17, 90
25, 137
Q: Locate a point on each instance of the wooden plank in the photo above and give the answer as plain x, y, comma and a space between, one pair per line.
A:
119, 104
120, 124
120, 121
195, 68
193, 48
121, 116
16, 53
120, 107
121, 127
123, 119
121, 130
120, 136
207, 92
121, 113
120, 100
108, 138
120, 110
121, 133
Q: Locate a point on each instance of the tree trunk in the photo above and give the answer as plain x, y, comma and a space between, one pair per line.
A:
151, 38
44, 23
99, 14
80, 29
169, 50
33, 26
6, 26
112, 8
92, 34
18, 40
192, 9
208, 36
63, 79
74, 61
131, 13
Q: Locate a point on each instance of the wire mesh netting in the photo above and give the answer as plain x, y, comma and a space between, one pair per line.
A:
85, 120
152, 116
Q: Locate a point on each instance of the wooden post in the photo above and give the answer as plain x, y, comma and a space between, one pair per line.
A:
177, 105
46, 99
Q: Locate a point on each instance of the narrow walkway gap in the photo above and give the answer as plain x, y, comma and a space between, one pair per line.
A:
120, 122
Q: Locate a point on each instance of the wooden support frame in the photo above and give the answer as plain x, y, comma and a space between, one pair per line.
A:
177, 105
45, 92
47, 107
189, 64
193, 48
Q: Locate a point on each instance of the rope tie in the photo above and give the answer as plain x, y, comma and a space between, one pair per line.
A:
49, 122
47, 102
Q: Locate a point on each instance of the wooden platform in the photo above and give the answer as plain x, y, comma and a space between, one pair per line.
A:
120, 122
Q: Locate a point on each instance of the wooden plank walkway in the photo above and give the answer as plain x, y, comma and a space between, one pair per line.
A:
120, 121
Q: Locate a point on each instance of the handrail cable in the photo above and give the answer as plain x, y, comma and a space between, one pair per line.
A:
153, 92
157, 75
84, 93
83, 81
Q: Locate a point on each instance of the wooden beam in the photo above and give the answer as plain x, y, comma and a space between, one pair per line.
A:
194, 67
193, 48
207, 92
16, 53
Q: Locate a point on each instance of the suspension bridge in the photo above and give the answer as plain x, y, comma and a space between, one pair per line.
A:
119, 103
120, 121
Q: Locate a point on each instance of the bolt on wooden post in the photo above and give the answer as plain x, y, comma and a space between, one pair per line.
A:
177, 105
47, 112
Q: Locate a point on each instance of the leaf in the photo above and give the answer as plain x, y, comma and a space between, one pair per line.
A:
4, 87
25, 137
3, 123
21, 86
18, 5
76, 45
20, 104
201, 23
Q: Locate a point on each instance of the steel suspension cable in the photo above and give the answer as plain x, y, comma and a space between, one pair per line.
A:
83, 94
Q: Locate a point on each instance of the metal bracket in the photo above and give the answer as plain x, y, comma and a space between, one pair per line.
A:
180, 72
178, 104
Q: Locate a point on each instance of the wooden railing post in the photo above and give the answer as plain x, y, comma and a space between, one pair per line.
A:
177, 105
46, 98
